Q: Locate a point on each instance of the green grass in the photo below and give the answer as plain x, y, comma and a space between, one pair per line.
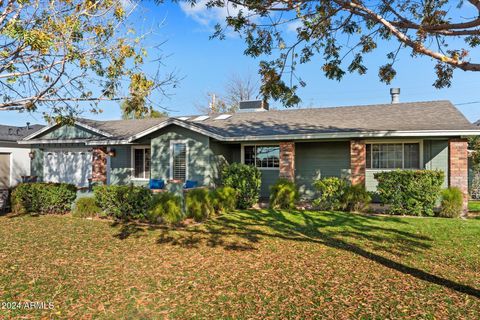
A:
249, 264
474, 206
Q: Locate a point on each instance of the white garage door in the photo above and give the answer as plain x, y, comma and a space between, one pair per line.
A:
68, 165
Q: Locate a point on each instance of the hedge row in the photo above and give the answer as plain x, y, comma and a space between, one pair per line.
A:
43, 198
138, 203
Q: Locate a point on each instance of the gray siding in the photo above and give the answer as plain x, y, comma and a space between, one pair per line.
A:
315, 160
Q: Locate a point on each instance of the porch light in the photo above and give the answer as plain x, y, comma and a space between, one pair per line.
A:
112, 153
31, 154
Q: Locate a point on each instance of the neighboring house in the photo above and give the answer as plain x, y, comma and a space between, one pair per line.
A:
298, 144
14, 158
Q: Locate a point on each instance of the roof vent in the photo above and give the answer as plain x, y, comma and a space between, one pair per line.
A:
223, 117
253, 105
395, 93
201, 118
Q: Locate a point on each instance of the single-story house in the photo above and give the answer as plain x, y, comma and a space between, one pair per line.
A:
298, 144
14, 157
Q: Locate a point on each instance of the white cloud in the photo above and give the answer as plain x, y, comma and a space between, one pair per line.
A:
210, 16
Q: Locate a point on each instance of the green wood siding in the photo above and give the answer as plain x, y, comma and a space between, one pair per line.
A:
37, 164
435, 155
269, 177
199, 154
120, 166
315, 160
68, 132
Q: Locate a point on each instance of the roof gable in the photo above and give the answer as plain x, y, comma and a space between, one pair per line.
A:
78, 131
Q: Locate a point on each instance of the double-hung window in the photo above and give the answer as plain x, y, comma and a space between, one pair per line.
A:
178, 160
393, 155
262, 156
141, 162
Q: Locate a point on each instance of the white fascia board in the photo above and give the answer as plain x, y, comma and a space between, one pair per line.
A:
106, 142
371, 134
37, 133
39, 141
86, 126
178, 123
80, 124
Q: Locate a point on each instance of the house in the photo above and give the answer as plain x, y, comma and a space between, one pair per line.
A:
14, 158
298, 144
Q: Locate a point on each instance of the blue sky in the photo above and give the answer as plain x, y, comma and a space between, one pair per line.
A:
205, 65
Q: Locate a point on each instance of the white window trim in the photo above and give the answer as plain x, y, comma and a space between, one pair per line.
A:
172, 142
242, 153
420, 143
132, 161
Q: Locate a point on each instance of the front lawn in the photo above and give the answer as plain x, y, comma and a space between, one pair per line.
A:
249, 264
474, 206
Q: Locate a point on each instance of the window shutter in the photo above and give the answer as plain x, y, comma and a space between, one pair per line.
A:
179, 161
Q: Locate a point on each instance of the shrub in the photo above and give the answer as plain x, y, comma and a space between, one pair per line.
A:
331, 191
123, 202
246, 180
199, 204
356, 198
412, 192
86, 207
224, 199
43, 198
452, 203
283, 194
165, 207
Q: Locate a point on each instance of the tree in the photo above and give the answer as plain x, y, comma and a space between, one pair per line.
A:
129, 112
64, 54
237, 88
343, 32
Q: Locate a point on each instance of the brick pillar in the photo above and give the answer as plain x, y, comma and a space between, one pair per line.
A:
358, 161
99, 164
287, 160
458, 167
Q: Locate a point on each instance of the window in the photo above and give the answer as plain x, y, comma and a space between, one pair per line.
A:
141, 163
393, 156
178, 160
262, 156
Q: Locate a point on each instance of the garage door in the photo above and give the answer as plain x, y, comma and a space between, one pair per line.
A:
70, 166
4, 170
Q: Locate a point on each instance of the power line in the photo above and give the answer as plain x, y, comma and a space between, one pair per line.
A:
465, 103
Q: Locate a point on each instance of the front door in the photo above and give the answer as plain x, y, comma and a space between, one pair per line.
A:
4, 170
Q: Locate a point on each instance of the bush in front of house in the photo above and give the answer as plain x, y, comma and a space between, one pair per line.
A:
452, 203
410, 192
224, 199
86, 207
331, 191
246, 180
356, 198
43, 198
199, 204
123, 202
283, 194
166, 207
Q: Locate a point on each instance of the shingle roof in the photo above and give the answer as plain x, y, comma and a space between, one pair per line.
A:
411, 116
122, 129
13, 133
415, 116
